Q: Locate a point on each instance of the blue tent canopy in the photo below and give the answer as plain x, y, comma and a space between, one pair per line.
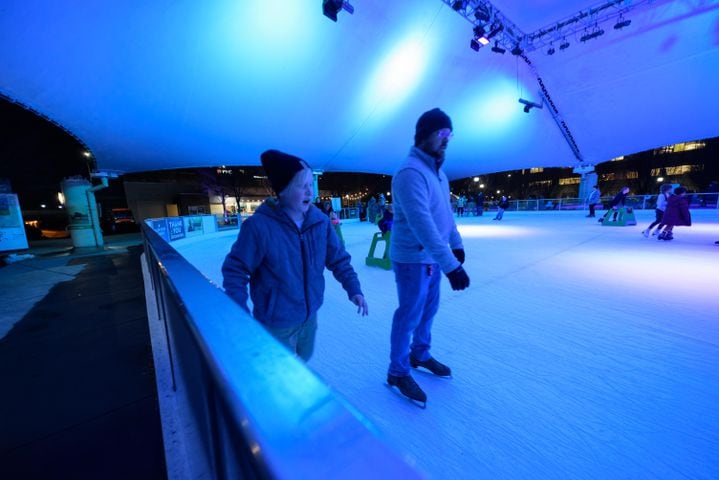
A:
165, 84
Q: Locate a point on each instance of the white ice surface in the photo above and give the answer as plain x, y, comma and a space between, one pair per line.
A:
578, 351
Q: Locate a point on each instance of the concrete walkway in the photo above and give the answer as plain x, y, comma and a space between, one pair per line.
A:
76, 373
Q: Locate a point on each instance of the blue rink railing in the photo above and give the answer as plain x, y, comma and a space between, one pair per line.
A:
638, 202
254, 409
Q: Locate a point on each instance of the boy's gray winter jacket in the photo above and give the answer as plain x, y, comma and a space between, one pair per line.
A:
284, 265
424, 228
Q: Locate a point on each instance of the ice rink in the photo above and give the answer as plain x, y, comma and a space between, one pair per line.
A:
578, 351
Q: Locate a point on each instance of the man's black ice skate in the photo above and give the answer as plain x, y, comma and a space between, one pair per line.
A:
431, 364
408, 387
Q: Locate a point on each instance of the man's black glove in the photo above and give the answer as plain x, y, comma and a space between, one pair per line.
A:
459, 254
458, 278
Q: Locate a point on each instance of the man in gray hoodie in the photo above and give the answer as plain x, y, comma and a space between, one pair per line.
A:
425, 243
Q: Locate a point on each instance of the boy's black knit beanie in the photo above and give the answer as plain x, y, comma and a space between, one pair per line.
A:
280, 168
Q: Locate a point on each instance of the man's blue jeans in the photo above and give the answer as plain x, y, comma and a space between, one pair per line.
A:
418, 292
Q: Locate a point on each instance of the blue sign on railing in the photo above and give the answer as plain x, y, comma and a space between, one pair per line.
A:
176, 228
159, 226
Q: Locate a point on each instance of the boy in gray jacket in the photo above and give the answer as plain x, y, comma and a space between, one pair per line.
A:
282, 251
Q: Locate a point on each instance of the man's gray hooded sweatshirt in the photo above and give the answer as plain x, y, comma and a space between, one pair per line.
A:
284, 265
424, 230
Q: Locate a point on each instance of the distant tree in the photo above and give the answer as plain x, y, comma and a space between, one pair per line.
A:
224, 182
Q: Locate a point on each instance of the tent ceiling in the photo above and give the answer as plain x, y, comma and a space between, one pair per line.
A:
175, 83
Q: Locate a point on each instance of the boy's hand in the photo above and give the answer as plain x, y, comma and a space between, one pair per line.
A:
361, 304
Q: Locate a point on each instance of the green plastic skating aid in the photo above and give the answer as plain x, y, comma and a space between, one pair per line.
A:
625, 216
383, 261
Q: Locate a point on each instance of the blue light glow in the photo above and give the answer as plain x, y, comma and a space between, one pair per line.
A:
492, 110
397, 75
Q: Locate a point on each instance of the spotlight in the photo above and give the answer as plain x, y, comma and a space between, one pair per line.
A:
528, 105
621, 24
458, 5
551, 50
496, 28
480, 38
564, 45
497, 49
330, 8
589, 36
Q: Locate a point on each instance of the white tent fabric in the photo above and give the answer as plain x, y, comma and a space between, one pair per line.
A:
153, 85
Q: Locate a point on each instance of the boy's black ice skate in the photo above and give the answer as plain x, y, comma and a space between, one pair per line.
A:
431, 364
408, 387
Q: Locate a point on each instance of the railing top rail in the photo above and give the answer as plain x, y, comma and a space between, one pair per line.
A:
298, 427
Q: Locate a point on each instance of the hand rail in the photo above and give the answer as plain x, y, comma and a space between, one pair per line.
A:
258, 411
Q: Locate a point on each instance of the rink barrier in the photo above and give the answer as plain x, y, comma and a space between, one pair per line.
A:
637, 202
255, 409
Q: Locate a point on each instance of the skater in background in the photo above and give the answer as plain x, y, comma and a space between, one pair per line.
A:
372, 210
480, 204
501, 207
461, 203
385, 225
676, 214
593, 199
330, 212
664, 193
425, 243
282, 251
618, 201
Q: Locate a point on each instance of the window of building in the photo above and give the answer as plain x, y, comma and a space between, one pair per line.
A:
569, 181
680, 147
631, 174
536, 170
540, 183
682, 169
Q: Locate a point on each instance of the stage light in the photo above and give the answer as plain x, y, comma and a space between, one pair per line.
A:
497, 49
330, 8
478, 31
458, 5
516, 50
589, 36
528, 105
564, 45
622, 23
551, 50
474, 45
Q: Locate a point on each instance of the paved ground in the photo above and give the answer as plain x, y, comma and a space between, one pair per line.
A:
78, 387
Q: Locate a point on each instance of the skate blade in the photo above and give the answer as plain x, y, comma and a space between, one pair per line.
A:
417, 403
428, 373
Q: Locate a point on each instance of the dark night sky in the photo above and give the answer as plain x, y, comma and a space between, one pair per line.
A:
35, 155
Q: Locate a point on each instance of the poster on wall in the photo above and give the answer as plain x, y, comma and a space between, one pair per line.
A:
12, 228
160, 226
175, 228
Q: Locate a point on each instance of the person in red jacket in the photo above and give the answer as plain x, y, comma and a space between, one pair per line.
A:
676, 214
